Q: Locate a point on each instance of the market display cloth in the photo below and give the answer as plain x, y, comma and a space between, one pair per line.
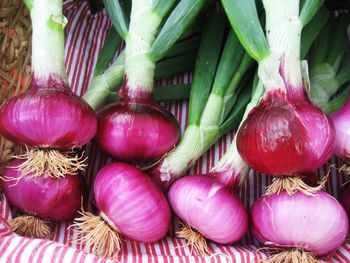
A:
85, 34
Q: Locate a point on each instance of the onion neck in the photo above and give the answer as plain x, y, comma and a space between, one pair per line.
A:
48, 64
283, 28
139, 68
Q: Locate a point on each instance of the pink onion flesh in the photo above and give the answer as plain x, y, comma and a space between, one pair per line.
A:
132, 202
43, 196
315, 223
210, 207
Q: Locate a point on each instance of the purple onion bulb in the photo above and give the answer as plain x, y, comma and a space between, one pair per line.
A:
132, 202
43, 196
210, 207
318, 223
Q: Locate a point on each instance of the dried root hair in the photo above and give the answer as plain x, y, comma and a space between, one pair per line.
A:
31, 226
293, 184
52, 162
345, 168
194, 239
295, 255
99, 234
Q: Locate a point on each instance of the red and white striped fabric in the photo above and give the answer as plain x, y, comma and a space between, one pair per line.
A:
85, 34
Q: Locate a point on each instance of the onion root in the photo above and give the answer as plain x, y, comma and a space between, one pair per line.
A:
295, 255
30, 226
99, 234
194, 239
52, 162
291, 184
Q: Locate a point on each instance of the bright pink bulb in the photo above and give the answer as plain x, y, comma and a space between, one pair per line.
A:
55, 118
318, 223
132, 202
285, 137
210, 207
341, 122
43, 196
136, 132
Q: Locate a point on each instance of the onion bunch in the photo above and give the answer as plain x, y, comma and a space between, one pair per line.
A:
48, 118
286, 135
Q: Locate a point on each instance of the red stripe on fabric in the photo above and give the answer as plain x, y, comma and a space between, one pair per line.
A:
342, 256
231, 253
65, 233
6, 246
75, 256
78, 23
63, 254
57, 232
178, 249
17, 249
36, 249
80, 58
335, 257
43, 250
82, 258
148, 252
154, 253
139, 252
55, 253
92, 51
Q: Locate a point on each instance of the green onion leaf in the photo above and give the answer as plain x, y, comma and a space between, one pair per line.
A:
117, 16
245, 22
206, 64
177, 23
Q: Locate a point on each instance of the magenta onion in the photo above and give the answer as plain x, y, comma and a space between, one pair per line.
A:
210, 207
48, 116
318, 223
286, 135
342, 128
344, 197
44, 196
136, 130
130, 204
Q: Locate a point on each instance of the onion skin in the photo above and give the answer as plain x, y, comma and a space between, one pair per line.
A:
136, 131
44, 196
315, 223
284, 136
210, 207
50, 116
132, 202
342, 123
345, 197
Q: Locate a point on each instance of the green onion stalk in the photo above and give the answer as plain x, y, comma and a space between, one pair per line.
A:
180, 36
279, 137
217, 100
285, 135
135, 129
330, 65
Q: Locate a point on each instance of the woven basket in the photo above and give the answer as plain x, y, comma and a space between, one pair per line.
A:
15, 59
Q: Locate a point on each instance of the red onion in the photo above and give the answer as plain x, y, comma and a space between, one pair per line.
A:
208, 204
318, 224
286, 134
344, 197
45, 197
129, 204
136, 130
48, 116
342, 123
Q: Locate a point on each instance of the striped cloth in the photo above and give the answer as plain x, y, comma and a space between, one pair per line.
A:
85, 34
